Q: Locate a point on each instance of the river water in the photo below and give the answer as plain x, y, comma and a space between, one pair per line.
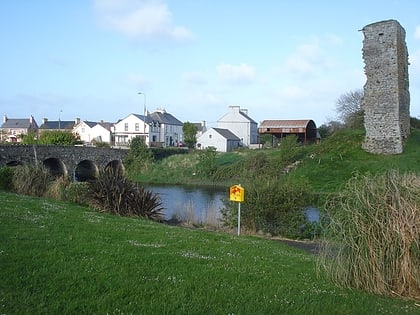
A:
200, 204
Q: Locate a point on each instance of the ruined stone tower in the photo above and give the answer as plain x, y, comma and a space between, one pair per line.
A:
386, 100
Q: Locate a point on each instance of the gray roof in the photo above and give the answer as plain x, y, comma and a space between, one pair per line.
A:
23, 123
58, 124
227, 134
165, 118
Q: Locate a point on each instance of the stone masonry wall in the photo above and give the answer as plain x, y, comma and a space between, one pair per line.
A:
386, 100
70, 155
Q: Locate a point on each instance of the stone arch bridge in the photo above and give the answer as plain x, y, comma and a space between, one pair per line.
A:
81, 163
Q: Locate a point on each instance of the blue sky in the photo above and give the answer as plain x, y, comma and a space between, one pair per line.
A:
278, 59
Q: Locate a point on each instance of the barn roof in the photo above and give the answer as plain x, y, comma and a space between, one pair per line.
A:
297, 123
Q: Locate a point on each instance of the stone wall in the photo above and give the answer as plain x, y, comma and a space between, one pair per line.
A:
386, 100
71, 156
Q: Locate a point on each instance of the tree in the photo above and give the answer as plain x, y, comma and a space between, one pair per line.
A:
349, 109
58, 137
190, 131
140, 156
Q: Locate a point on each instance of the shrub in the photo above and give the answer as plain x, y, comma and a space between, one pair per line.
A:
272, 206
6, 176
374, 235
57, 188
77, 192
140, 156
114, 193
31, 180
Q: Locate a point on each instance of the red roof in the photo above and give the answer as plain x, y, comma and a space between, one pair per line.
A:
273, 123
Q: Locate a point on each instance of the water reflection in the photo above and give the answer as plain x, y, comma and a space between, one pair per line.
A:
203, 203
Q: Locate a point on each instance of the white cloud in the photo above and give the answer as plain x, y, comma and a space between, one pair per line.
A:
242, 73
417, 33
305, 59
194, 77
140, 19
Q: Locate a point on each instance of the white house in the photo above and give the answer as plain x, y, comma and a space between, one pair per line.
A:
90, 131
223, 140
157, 129
238, 121
132, 126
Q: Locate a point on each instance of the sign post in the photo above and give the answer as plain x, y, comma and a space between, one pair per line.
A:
237, 193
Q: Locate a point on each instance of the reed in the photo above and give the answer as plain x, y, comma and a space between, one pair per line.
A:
374, 235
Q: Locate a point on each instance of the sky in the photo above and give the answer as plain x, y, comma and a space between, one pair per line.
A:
90, 59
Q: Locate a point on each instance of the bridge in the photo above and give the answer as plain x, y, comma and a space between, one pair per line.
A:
82, 163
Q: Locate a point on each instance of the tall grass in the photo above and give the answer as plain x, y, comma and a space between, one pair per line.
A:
187, 214
31, 180
374, 235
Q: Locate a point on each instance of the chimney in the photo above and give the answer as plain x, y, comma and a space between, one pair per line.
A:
77, 121
4, 118
44, 120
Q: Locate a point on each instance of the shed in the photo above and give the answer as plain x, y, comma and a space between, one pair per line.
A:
223, 140
304, 129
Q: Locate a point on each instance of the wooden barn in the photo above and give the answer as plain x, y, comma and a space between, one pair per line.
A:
304, 129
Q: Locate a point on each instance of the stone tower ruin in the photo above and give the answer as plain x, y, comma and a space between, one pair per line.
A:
386, 100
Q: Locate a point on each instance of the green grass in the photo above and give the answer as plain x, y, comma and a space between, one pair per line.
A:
59, 258
327, 166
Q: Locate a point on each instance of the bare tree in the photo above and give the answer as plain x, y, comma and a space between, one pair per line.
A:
349, 108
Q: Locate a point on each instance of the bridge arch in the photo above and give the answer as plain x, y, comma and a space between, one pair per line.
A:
116, 166
14, 163
86, 170
55, 166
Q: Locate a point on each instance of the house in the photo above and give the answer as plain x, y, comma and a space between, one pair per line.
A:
169, 129
201, 128
237, 121
91, 132
57, 125
134, 125
13, 129
223, 140
304, 129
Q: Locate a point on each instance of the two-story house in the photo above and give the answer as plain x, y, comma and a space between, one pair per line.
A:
133, 125
237, 121
169, 129
13, 129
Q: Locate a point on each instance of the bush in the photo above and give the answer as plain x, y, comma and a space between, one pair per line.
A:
272, 206
6, 176
31, 180
77, 192
374, 235
114, 193
57, 188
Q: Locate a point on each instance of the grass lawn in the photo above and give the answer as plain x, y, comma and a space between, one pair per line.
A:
60, 258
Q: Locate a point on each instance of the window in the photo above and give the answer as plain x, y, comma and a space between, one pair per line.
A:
209, 136
137, 126
126, 127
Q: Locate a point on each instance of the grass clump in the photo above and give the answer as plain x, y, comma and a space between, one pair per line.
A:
113, 192
374, 235
31, 180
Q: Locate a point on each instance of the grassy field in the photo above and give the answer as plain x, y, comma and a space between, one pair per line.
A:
59, 258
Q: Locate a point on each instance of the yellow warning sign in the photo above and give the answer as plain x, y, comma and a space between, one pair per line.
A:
237, 193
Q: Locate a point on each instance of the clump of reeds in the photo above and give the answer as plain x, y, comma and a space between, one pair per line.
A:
373, 236
31, 180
